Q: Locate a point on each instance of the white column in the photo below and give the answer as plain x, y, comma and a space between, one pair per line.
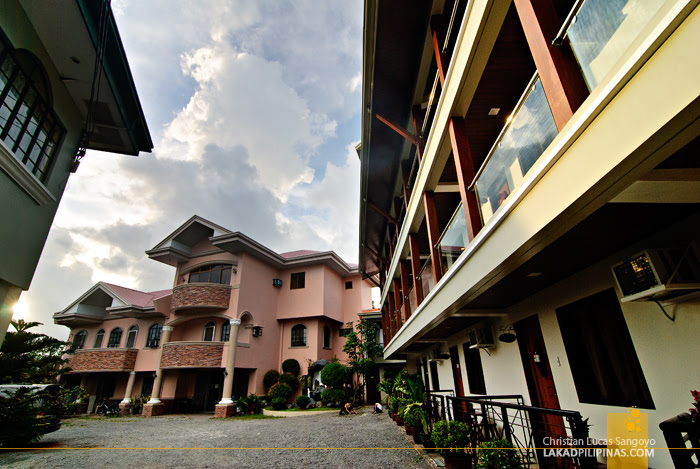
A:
164, 338
129, 388
230, 363
9, 295
83, 385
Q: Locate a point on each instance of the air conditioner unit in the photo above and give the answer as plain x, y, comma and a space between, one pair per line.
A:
658, 274
481, 337
276, 282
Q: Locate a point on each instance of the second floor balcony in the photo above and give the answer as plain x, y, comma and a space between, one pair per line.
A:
192, 354
191, 296
112, 359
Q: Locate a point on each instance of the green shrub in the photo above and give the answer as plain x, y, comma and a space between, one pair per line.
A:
498, 454
279, 403
402, 404
414, 417
291, 366
452, 437
303, 401
280, 390
19, 425
290, 379
330, 396
270, 379
137, 404
334, 375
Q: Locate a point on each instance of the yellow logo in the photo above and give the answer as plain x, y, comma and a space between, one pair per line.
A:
628, 444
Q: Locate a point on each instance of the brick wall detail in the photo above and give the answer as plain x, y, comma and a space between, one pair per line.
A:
103, 360
201, 295
224, 410
192, 354
153, 410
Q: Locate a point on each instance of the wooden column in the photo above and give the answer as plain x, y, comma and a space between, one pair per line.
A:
433, 232
415, 267
390, 300
561, 77
465, 174
405, 286
397, 302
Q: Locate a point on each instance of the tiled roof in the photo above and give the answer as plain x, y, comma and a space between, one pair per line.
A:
135, 297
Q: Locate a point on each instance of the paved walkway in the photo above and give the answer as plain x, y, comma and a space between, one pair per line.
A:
189, 441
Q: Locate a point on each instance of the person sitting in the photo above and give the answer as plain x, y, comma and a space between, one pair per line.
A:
377, 408
347, 409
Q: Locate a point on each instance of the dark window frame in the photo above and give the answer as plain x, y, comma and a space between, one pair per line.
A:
79, 340
115, 338
135, 330
602, 358
297, 281
475, 370
226, 332
348, 285
154, 333
326, 337
299, 336
99, 339
212, 326
212, 273
344, 331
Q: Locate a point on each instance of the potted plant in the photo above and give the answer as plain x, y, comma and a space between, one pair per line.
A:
455, 442
403, 403
498, 454
413, 418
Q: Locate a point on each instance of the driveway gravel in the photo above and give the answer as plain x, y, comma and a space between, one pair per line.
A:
201, 441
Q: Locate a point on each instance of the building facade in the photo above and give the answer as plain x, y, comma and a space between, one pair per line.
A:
529, 199
47, 74
236, 310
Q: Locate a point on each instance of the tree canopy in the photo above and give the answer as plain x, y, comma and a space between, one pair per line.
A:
29, 357
362, 348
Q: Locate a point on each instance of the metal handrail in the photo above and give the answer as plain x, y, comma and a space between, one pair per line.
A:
570, 19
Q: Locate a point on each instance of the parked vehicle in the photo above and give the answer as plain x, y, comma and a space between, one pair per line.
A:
107, 409
49, 413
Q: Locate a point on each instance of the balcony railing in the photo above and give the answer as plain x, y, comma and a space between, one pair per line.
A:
426, 277
528, 428
600, 31
96, 359
529, 131
194, 354
453, 240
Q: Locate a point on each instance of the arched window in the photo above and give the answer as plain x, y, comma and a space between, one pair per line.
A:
99, 338
79, 340
209, 330
226, 332
216, 273
115, 338
154, 335
327, 337
299, 335
131, 336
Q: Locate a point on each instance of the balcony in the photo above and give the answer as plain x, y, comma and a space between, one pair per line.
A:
112, 359
600, 32
453, 240
527, 134
192, 355
201, 296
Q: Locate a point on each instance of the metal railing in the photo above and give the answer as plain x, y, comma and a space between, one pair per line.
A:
528, 428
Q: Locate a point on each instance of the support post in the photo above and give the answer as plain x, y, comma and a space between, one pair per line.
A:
225, 407
405, 286
465, 174
397, 302
416, 266
125, 404
154, 406
431, 222
561, 77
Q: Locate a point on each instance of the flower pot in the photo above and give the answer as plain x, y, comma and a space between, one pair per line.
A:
393, 416
416, 436
458, 460
409, 429
426, 441
399, 421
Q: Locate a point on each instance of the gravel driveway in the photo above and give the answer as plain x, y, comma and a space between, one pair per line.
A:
183, 441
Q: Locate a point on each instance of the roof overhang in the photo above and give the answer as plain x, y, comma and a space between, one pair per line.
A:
69, 31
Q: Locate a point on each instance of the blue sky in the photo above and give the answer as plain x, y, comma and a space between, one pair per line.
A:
254, 110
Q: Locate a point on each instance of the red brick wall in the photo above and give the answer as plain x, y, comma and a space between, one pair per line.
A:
103, 360
177, 355
201, 295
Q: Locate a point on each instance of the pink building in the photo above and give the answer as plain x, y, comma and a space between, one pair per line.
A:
176, 345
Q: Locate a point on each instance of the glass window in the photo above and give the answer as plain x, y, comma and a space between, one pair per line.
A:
154, 335
297, 281
326, 336
348, 285
131, 336
209, 329
115, 337
79, 340
29, 127
99, 338
226, 332
601, 354
216, 273
299, 335
344, 331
